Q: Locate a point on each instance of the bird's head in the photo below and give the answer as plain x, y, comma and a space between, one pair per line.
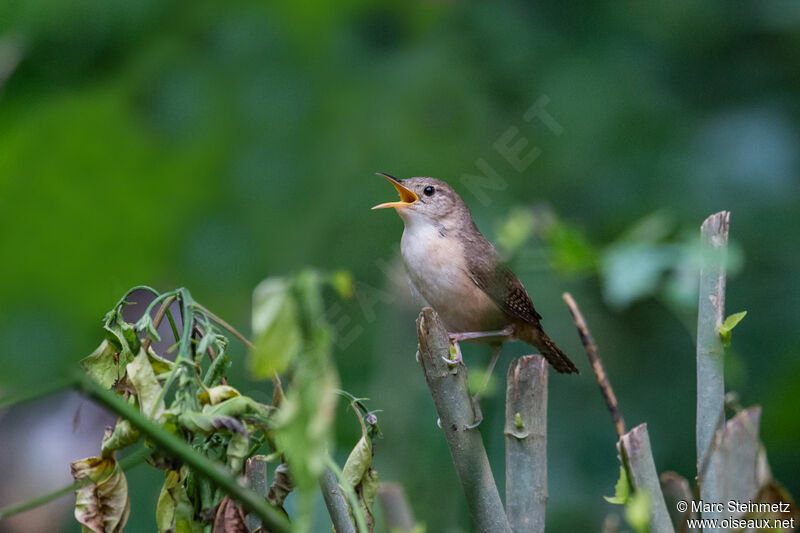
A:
424, 199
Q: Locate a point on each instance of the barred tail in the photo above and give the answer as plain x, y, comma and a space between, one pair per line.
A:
535, 336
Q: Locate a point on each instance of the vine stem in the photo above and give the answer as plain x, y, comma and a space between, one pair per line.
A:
126, 463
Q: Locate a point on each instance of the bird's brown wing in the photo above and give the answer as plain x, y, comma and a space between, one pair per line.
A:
503, 287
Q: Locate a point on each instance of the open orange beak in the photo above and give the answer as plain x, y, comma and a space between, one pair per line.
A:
407, 196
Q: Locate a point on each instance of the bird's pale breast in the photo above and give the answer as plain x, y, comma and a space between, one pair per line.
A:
437, 269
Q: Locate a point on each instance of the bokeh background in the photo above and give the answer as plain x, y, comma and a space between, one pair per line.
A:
210, 146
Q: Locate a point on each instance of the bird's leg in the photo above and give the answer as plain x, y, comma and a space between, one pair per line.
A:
476, 399
469, 335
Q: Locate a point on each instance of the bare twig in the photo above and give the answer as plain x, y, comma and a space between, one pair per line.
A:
526, 444
597, 365
634, 446
396, 511
335, 502
276, 380
448, 385
710, 371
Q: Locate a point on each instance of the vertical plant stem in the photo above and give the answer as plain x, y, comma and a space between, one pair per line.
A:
448, 385
526, 444
710, 367
597, 365
256, 472
635, 447
334, 501
396, 512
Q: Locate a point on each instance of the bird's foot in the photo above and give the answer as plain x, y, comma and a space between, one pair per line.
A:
469, 335
455, 356
476, 406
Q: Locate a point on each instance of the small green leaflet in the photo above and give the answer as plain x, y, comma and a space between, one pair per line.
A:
276, 327
620, 496
637, 511
727, 327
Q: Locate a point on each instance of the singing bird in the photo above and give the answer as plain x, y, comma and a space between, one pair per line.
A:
453, 268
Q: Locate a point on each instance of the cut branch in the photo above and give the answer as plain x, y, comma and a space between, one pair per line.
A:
448, 385
526, 444
634, 447
710, 371
335, 502
597, 365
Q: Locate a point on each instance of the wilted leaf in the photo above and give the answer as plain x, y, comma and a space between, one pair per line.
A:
217, 370
141, 374
215, 395
124, 435
238, 449
281, 486
230, 518
358, 462
121, 333
174, 511
727, 327
275, 326
103, 505
620, 496
106, 364
205, 423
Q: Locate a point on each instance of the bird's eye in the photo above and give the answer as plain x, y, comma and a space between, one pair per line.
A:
429, 191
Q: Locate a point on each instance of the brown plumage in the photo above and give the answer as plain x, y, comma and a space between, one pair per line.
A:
456, 270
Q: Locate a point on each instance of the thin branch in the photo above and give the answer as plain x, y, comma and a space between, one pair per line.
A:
448, 385
396, 512
334, 501
276, 380
710, 368
158, 318
170, 443
526, 444
597, 365
635, 447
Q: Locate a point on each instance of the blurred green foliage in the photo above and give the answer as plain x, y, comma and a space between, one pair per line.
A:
211, 145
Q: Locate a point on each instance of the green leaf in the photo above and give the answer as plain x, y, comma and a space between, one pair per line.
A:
727, 327
276, 328
637, 511
148, 391
174, 511
103, 505
106, 364
207, 424
620, 496
515, 230
342, 283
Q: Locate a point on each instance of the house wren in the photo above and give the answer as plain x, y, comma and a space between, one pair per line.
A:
454, 269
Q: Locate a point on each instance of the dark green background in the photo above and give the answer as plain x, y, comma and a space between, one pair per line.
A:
188, 144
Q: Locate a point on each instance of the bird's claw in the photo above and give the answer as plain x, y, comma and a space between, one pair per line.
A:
476, 406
